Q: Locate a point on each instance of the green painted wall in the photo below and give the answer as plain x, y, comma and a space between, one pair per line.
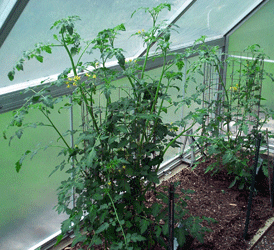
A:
27, 198
258, 29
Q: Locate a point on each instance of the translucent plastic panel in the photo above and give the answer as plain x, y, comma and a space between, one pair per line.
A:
28, 197
258, 30
34, 26
5, 8
210, 18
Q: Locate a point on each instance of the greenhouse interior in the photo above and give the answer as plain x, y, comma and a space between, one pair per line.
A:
100, 99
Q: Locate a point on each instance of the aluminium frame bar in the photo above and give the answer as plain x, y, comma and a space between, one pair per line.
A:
11, 19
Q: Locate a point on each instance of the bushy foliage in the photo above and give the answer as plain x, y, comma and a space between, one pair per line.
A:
121, 145
234, 116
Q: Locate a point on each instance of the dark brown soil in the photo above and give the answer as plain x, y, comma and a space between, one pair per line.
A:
213, 198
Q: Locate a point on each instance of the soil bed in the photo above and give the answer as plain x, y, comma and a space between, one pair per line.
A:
213, 198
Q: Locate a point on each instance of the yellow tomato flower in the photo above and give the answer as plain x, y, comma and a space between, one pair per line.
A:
143, 30
233, 88
94, 76
130, 60
124, 167
68, 86
87, 75
74, 84
139, 31
67, 82
70, 79
76, 78
109, 183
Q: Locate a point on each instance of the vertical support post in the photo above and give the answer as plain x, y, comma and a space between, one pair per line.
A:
188, 137
269, 169
72, 146
252, 184
181, 149
221, 79
171, 216
272, 188
201, 149
191, 141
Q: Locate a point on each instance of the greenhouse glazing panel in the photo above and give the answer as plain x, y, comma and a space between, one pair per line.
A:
34, 25
211, 19
257, 30
28, 197
5, 8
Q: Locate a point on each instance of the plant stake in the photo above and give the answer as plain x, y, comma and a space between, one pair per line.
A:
171, 216
252, 184
272, 188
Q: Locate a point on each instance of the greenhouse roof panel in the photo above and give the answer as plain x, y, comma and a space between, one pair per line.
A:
5, 8
211, 19
34, 24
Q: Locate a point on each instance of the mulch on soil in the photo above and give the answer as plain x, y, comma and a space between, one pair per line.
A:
213, 198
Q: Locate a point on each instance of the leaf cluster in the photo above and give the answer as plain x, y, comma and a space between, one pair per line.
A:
232, 119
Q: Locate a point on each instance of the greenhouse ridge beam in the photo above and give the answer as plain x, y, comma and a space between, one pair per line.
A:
11, 19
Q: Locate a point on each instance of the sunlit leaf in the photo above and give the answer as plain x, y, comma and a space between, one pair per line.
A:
102, 228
